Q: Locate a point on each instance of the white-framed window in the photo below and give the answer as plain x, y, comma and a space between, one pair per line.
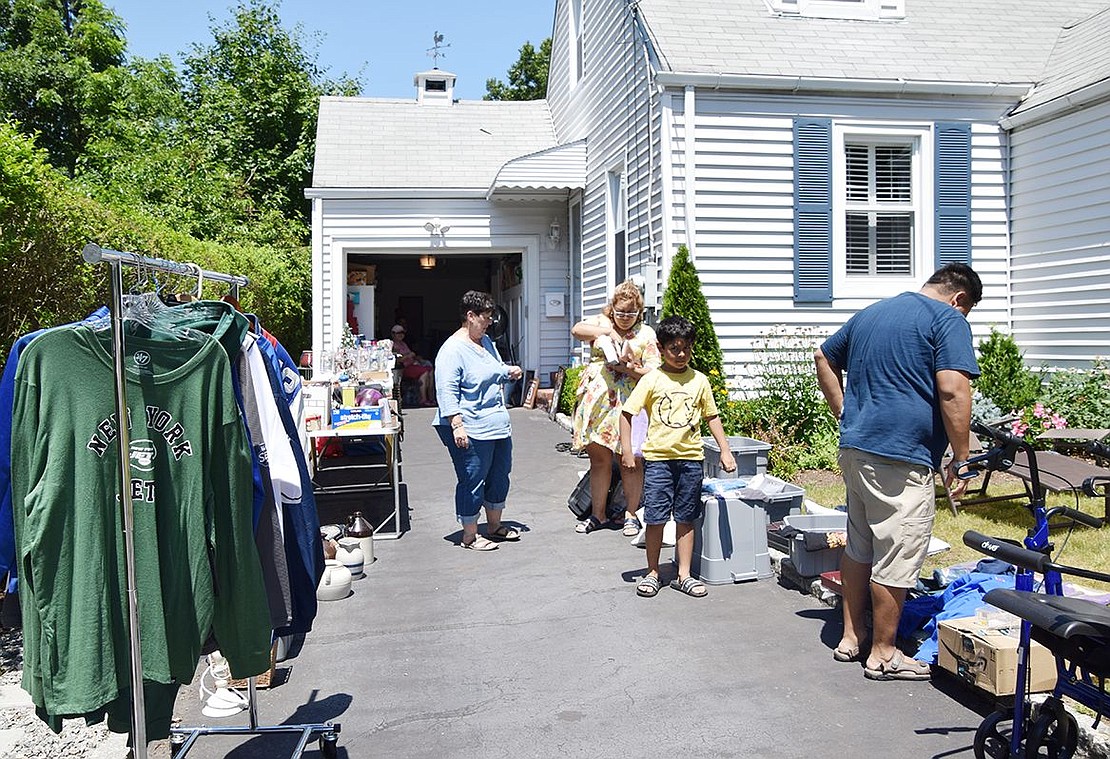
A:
575, 49
617, 197
863, 10
881, 208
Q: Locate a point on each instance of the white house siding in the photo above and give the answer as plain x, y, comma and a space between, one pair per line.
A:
742, 167
1061, 238
385, 227
611, 105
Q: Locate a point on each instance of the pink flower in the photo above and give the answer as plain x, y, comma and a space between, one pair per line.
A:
1018, 427
1038, 409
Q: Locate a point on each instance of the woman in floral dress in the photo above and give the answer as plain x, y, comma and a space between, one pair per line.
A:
602, 388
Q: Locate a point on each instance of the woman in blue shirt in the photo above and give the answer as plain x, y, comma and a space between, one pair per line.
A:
473, 422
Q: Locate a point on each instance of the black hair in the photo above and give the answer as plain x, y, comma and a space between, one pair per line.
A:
476, 301
954, 277
676, 328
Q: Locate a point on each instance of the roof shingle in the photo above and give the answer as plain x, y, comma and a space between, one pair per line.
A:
375, 142
1001, 41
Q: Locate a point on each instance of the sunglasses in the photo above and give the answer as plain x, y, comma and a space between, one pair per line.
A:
626, 314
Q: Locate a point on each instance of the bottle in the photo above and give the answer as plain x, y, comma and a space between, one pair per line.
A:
358, 527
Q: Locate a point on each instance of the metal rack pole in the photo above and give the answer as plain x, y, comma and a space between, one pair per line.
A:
138, 712
94, 253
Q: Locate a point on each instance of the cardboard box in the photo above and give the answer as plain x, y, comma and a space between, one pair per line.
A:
987, 658
356, 416
361, 274
317, 401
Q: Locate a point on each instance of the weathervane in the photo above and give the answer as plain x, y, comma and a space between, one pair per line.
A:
436, 50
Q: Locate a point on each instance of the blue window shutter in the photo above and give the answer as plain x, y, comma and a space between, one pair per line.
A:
953, 193
812, 210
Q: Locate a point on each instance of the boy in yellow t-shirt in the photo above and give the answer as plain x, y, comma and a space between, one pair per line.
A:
677, 399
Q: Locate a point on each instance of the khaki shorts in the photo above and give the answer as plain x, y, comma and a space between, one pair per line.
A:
891, 505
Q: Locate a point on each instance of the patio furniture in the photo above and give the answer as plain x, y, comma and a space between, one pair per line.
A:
1058, 473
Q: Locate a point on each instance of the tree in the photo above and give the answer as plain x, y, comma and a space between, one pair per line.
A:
527, 77
252, 97
54, 54
684, 297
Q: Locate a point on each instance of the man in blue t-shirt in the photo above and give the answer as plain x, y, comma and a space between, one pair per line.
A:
909, 361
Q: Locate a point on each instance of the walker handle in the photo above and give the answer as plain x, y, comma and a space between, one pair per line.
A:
1078, 516
1093, 482
1000, 549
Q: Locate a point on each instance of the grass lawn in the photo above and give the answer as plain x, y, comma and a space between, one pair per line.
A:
1086, 547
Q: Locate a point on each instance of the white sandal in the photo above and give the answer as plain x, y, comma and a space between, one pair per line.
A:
479, 544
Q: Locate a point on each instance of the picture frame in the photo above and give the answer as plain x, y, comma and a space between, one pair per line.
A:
532, 383
557, 391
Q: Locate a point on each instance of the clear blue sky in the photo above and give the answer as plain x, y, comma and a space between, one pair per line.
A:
382, 42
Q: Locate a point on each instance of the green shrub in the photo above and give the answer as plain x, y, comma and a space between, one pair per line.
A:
46, 222
1081, 396
787, 409
569, 394
1004, 378
684, 297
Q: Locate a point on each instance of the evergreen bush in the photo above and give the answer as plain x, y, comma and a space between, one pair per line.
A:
1004, 378
569, 394
684, 297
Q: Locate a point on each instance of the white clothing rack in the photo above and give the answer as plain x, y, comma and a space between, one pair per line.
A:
181, 739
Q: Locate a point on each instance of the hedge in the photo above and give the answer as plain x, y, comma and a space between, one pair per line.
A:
45, 222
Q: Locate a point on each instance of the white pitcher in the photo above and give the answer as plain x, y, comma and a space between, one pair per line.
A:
336, 582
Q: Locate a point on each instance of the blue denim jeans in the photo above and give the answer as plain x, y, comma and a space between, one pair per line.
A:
482, 471
672, 487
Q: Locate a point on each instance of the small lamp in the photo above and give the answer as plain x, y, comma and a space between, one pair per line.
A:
553, 233
428, 261
436, 228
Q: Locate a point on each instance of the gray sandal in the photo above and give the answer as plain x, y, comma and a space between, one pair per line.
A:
691, 586
648, 586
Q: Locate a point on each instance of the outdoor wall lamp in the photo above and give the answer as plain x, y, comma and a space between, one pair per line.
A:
436, 228
553, 233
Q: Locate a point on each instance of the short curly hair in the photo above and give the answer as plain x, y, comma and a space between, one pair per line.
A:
476, 301
626, 290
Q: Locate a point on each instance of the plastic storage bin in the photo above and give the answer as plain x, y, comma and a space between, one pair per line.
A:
777, 506
750, 455
730, 543
813, 563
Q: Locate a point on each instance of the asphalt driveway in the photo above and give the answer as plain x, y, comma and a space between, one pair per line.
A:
543, 649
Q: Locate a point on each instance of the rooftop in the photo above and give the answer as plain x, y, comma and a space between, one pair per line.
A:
378, 142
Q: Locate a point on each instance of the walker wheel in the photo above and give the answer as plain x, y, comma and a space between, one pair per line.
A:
1054, 735
992, 739
329, 746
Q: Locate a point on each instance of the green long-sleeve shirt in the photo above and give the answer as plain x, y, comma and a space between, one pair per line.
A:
197, 566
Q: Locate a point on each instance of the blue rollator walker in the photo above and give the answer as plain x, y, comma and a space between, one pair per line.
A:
1076, 631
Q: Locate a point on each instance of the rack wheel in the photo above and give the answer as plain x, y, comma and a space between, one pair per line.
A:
992, 739
329, 746
1054, 735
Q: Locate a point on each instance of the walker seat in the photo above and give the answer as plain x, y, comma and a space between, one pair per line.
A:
1072, 628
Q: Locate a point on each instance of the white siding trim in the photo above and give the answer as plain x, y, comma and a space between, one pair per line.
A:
689, 147
317, 277
667, 205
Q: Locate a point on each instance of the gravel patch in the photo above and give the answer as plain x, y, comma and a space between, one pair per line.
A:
24, 735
